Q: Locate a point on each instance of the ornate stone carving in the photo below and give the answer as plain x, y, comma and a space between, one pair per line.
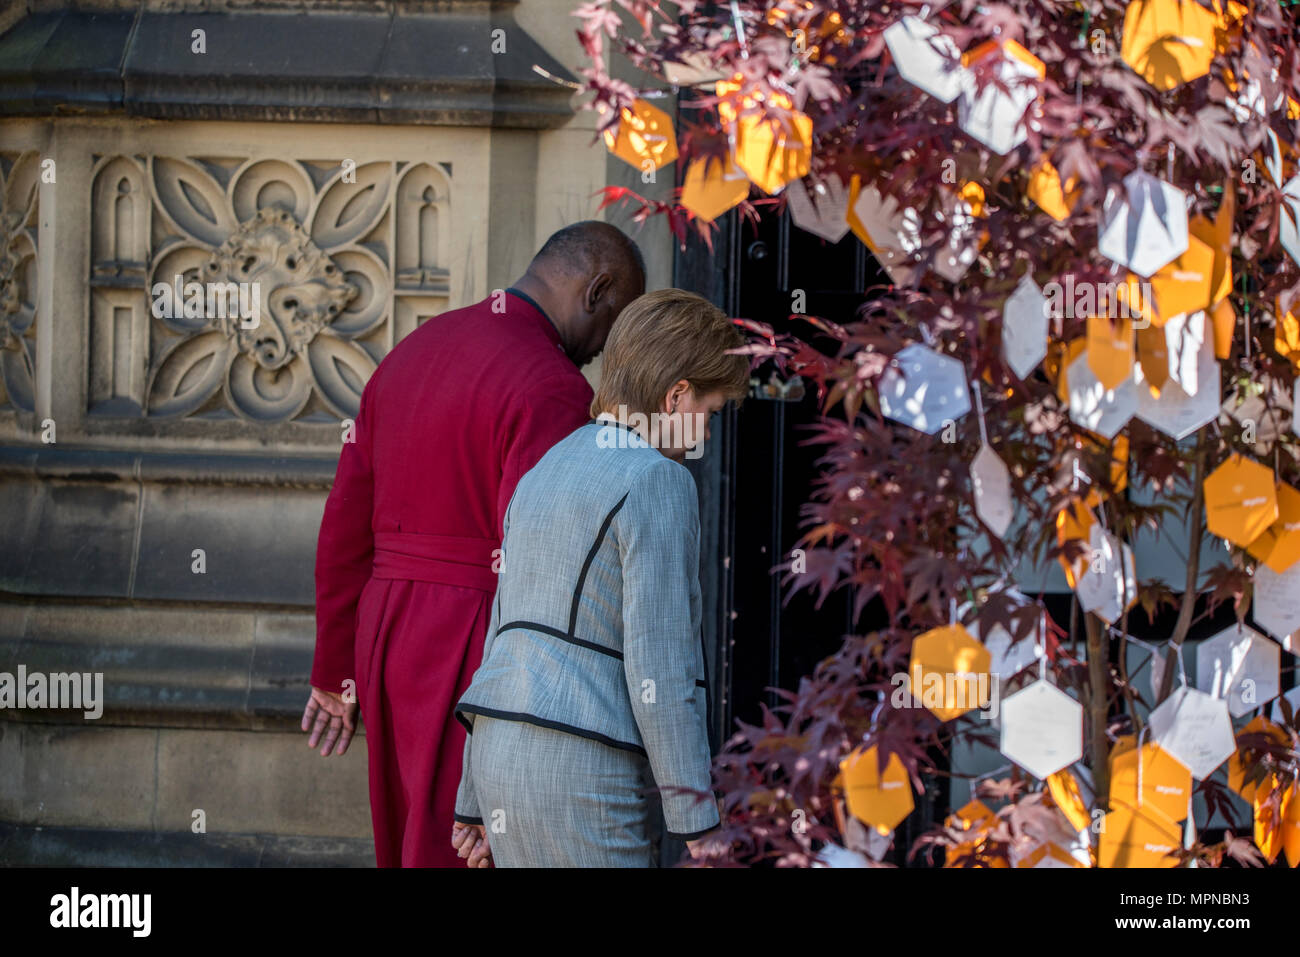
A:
271, 288
299, 289
19, 177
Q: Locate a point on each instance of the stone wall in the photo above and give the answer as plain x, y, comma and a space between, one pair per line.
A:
163, 471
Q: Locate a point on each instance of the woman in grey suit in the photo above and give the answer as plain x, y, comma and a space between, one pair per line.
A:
592, 689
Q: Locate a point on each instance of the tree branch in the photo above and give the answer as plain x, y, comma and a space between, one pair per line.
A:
1098, 706
1190, 589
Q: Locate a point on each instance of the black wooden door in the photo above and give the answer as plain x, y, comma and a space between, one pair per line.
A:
760, 470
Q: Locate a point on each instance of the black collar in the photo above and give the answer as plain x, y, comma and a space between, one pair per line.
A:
533, 302
621, 425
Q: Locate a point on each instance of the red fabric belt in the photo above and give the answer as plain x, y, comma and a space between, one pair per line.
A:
442, 559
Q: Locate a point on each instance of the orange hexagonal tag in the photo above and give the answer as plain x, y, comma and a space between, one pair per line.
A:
1270, 824
770, 153
1138, 837
1185, 285
974, 813
1217, 235
1045, 189
1118, 469
1278, 546
1225, 325
974, 816
880, 800
1050, 855
1291, 825
1240, 500
1237, 765
949, 672
1166, 783
1168, 42
1286, 338
712, 187
1153, 357
1110, 349
645, 137
1074, 523
1060, 356
1065, 795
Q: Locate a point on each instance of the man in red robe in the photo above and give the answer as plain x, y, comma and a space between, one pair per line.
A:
448, 423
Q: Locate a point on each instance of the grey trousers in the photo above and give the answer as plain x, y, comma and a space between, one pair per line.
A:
549, 798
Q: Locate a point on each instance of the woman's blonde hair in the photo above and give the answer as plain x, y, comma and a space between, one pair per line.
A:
664, 336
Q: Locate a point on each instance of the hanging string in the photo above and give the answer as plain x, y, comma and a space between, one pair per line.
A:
1141, 734
975, 781
1245, 315
1042, 648
740, 29
979, 410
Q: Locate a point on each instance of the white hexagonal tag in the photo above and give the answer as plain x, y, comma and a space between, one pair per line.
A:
991, 483
1277, 602
1295, 394
996, 115
1273, 157
924, 389
1241, 666
1195, 729
1185, 342
1042, 729
926, 58
820, 209
1288, 227
895, 233
1145, 228
1176, 413
1024, 327
957, 254
1095, 407
1293, 698
1006, 658
1106, 586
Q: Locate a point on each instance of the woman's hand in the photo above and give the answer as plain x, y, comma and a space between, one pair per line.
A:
470, 841
706, 846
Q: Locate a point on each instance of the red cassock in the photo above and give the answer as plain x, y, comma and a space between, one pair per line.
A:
449, 422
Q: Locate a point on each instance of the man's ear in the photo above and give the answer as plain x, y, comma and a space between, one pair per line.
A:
599, 288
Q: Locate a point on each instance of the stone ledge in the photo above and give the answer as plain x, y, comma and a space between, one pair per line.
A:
198, 468
102, 847
146, 779
82, 523
167, 666
422, 64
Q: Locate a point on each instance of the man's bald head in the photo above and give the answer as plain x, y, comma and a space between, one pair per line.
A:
587, 248
583, 277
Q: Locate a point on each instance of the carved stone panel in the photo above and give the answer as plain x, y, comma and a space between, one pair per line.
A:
260, 289
19, 193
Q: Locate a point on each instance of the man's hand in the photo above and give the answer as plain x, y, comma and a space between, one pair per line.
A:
329, 711
470, 841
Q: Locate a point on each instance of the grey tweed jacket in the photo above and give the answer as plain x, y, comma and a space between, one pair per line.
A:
595, 628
